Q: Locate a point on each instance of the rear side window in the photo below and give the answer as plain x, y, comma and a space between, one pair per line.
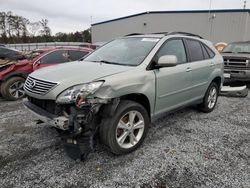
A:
210, 52
205, 53
195, 50
76, 55
174, 47
60, 56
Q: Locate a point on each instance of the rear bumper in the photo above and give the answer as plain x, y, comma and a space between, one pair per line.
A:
238, 75
60, 122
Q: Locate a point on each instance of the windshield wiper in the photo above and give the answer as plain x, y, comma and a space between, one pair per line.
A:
110, 62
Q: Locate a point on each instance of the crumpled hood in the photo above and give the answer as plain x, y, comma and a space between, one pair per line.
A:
78, 72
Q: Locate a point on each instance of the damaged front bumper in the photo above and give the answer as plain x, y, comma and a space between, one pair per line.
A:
60, 122
78, 124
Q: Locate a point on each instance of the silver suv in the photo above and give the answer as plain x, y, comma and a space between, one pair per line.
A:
116, 91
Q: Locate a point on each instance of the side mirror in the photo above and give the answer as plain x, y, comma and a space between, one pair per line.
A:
167, 61
37, 63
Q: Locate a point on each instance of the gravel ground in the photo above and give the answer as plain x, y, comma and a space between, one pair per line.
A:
183, 149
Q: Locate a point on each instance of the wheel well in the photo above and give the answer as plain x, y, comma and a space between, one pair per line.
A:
139, 98
20, 74
217, 80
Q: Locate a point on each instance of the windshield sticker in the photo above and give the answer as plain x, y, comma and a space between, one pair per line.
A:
150, 40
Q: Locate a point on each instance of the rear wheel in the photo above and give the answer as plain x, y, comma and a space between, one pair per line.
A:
126, 130
12, 89
210, 99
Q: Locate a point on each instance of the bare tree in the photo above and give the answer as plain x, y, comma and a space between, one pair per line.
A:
46, 31
33, 28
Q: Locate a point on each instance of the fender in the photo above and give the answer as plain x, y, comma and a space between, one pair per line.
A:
23, 74
216, 73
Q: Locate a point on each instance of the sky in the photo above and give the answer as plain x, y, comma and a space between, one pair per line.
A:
77, 15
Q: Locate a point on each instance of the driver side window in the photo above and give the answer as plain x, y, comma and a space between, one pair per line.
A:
59, 56
174, 47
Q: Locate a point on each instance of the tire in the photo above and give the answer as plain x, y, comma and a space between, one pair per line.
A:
14, 84
209, 104
1, 89
110, 133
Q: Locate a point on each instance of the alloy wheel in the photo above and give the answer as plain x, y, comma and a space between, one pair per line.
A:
16, 89
212, 97
130, 129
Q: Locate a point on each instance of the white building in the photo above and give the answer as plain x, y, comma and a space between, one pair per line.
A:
215, 25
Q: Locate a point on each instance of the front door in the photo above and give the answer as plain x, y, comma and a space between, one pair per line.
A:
173, 83
52, 58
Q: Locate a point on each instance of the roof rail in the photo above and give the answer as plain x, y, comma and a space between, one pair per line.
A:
184, 33
167, 33
160, 33
132, 34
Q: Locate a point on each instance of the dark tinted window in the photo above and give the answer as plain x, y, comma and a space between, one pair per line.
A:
4, 51
174, 47
195, 50
9, 54
210, 52
76, 55
205, 53
60, 56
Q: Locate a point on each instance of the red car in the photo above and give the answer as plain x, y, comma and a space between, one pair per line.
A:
13, 74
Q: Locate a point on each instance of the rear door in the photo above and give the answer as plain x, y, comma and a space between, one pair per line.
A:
201, 66
172, 83
52, 58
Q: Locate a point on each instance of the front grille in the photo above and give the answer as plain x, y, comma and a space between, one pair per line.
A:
237, 63
47, 105
37, 86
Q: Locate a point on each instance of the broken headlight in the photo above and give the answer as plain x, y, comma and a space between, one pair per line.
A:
71, 94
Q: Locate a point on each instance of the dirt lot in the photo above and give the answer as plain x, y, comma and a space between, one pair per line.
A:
183, 149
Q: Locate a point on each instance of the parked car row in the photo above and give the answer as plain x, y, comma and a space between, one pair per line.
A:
116, 91
16, 66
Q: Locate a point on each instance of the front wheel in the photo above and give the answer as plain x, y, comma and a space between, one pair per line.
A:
126, 130
210, 99
12, 89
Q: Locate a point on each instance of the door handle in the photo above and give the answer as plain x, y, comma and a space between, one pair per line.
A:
212, 64
188, 69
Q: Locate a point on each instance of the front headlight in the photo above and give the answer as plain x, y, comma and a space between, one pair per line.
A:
70, 95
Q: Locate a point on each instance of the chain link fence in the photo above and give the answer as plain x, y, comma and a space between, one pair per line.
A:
32, 46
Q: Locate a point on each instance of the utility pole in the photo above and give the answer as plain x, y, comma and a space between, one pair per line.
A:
91, 20
210, 20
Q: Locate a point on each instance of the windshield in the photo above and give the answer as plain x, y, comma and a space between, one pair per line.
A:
33, 54
237, 48
126, 51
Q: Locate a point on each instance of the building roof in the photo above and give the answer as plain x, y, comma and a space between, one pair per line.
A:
178, 11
